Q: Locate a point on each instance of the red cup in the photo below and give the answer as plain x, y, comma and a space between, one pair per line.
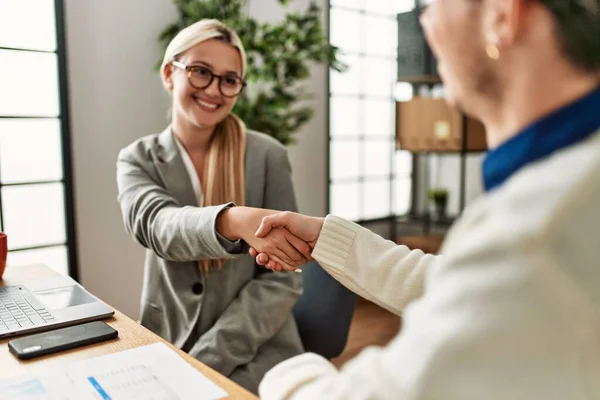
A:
3, 253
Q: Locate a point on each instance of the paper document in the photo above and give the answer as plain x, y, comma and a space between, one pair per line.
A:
153, 372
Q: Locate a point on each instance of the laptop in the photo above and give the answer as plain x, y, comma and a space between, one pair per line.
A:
46, 304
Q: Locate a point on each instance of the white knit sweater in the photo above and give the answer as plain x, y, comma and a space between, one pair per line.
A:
511, 311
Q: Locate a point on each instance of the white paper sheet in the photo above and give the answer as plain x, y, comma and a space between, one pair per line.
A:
152, 372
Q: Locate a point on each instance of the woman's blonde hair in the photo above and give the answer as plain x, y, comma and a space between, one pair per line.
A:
224, 174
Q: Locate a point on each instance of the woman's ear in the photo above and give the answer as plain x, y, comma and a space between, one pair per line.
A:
166, 74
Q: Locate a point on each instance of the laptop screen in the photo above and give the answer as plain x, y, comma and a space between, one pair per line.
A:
63, 297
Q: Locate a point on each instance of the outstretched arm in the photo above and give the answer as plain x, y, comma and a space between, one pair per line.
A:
158, 222
376, 269
379, 270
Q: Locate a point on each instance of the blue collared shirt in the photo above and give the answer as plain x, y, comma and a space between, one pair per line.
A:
565, 127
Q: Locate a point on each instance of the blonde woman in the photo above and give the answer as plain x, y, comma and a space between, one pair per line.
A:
176, 189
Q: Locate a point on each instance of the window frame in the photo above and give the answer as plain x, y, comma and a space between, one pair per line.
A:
363, 139
64, 120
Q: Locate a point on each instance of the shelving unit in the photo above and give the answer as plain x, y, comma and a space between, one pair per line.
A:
425, 126
432, 232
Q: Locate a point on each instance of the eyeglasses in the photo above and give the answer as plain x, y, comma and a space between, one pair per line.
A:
200, 77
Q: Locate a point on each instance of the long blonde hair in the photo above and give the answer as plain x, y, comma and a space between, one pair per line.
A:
224, 174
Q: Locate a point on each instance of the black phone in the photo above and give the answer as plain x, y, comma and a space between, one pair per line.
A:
57, 340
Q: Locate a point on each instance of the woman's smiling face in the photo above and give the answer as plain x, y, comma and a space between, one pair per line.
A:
203, 108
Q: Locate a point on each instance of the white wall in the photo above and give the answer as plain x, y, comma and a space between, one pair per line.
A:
115, 98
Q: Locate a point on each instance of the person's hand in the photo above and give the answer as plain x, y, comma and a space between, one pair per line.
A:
287, 250
301, 226
283, 248
270, 263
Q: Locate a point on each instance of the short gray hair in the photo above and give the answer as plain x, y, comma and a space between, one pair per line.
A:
578, 29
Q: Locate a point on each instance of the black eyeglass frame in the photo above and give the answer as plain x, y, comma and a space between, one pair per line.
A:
190, 69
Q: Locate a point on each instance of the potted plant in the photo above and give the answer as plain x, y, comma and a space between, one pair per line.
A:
439, 197
279, 56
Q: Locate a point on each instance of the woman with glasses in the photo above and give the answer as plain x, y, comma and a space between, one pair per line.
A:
176, 191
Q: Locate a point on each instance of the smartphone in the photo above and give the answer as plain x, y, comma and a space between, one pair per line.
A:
57, 340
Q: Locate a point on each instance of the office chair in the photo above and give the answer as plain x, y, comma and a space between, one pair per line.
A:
323, 313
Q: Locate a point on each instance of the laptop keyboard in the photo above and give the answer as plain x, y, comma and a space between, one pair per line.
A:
19, 309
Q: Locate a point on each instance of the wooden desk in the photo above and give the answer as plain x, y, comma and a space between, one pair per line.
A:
131, 334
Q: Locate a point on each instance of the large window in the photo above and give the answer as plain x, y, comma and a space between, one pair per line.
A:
368, 179
35, 187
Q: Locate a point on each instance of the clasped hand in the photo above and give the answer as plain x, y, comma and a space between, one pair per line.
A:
285, 240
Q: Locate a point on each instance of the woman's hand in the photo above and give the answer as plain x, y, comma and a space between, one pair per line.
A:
301, 226
283, 247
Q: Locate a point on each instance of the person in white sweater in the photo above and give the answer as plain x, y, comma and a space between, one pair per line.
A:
511, 309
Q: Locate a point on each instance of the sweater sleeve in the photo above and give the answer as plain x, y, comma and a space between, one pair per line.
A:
379, 270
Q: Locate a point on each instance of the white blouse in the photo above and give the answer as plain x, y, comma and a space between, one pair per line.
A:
191, 170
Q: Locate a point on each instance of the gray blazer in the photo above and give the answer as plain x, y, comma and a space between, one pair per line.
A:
236, 320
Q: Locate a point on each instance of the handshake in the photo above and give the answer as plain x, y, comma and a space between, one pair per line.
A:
278, 240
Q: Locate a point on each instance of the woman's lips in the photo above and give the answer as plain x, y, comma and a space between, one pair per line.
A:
206, 105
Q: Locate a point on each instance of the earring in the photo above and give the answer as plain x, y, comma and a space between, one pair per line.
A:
492, 51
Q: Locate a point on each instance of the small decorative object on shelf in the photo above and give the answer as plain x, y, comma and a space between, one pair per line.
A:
439, 197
